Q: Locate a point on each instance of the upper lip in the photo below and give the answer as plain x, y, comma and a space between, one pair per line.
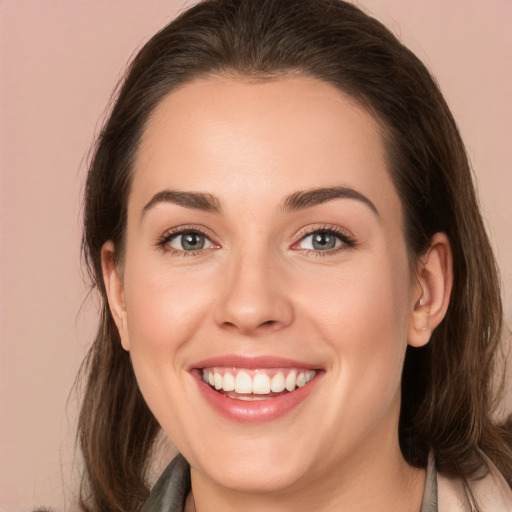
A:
252, 362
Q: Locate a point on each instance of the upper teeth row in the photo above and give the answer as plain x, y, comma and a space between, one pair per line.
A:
260, 384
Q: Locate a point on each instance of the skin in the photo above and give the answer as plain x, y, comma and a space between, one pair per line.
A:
260, 289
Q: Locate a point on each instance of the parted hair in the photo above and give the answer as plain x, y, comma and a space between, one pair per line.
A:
448, 389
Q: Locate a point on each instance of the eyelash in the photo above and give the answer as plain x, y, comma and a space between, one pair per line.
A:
347, 241
163, 242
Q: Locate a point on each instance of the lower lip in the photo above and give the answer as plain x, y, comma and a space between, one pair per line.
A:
256, 411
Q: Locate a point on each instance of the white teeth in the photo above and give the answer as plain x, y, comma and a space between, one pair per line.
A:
261, 384
229, 382
243, 383
277, 385
290, 381
217, 379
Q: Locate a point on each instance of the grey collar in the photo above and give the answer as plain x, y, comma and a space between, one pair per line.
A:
170, 492
429, 503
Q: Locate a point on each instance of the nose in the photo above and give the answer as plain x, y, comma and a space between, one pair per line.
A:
254, 298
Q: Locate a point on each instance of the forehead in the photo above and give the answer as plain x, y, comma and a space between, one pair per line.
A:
261, 140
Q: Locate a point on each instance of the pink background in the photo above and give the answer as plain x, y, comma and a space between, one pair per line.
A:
59, 61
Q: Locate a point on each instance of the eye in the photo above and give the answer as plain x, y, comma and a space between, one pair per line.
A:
324, 240
188, 241
320, 241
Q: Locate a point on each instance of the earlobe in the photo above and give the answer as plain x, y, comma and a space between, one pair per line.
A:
114, 287
431, 291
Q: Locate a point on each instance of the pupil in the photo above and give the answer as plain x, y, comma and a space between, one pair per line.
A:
324, 241
192, 241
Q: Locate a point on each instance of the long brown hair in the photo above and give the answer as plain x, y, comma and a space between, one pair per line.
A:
447, 395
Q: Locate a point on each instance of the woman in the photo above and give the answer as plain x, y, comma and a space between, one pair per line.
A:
297, 286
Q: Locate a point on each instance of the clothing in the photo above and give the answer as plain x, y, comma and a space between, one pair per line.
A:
441, 493
170, 491
491, 492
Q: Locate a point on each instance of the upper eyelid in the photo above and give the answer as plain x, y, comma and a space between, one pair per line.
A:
162, 242
343, 233
347, 239
337, 230
180, 230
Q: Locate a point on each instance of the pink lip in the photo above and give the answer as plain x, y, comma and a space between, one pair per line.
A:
258, 411
234, 361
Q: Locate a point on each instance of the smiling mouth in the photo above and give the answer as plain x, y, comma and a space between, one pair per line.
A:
256, 384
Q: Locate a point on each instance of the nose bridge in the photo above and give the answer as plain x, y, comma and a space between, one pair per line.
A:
253, 296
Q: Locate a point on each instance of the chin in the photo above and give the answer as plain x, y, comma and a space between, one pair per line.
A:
259, 476
264, 464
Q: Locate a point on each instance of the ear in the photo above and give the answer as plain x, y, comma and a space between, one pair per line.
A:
113, 280
431, 291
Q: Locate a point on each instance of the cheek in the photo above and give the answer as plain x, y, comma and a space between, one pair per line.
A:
362, 317
362, 313
362, 303
164, 306
164, 309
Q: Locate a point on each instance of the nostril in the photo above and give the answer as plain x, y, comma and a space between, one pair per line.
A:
263, 326
229, 325
269, 326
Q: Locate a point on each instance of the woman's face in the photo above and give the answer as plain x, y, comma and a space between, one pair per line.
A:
265, 253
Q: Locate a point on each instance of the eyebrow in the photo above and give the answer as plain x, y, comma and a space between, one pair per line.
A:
194, 200
308, 198
297, 201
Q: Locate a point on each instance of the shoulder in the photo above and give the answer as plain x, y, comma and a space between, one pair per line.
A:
491, 492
